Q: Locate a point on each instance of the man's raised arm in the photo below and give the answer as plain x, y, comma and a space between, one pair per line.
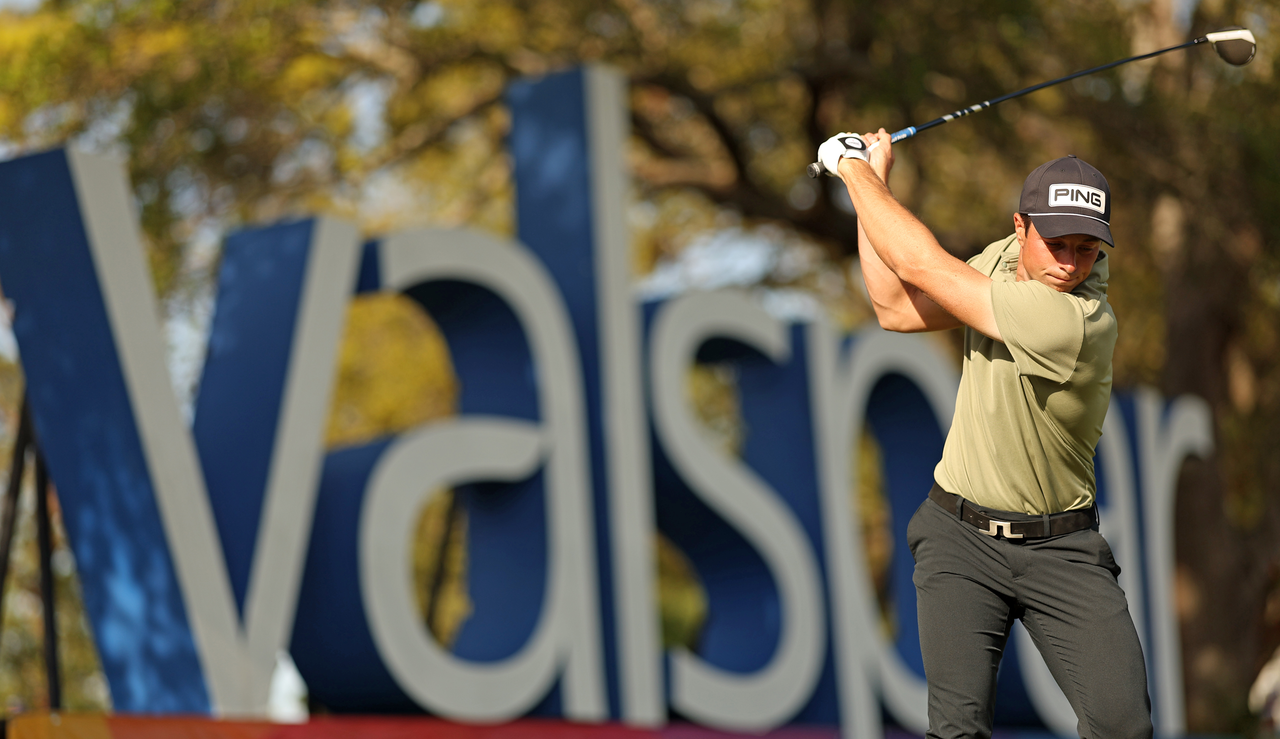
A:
905, 247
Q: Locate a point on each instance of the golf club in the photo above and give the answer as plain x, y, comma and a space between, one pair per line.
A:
1235, 45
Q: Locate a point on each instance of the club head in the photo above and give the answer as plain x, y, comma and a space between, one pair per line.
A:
1234, 44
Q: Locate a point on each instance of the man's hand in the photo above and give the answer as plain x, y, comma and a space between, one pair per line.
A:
842, 146
880, 152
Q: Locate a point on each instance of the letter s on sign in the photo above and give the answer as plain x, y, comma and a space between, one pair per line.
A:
711, 695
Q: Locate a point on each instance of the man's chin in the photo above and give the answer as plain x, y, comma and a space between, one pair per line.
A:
1062, 286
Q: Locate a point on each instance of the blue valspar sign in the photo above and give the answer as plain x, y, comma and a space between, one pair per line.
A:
204, 549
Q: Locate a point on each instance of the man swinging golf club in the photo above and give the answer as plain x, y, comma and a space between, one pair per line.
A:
1009, 530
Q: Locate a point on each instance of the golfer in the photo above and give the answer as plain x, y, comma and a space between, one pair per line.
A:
1010, 530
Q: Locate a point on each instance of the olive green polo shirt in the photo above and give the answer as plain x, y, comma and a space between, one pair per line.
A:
1030, 409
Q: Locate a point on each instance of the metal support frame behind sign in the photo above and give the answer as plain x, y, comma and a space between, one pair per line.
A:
24, 442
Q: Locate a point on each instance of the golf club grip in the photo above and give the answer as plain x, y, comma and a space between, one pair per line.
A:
905, 133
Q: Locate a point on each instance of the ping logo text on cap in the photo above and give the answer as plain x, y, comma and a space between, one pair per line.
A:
1077, 196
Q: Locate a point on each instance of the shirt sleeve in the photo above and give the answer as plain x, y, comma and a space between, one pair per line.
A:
1043, 328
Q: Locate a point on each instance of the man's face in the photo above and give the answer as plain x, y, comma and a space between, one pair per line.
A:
1061, 262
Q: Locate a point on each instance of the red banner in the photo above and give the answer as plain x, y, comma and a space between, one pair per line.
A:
73, 726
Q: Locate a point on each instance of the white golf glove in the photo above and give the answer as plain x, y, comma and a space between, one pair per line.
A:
842, 146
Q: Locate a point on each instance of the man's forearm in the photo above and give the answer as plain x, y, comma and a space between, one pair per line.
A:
899, 305
890, 296
948, 289
900, 240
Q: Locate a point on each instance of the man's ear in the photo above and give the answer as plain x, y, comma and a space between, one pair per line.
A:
1020, 229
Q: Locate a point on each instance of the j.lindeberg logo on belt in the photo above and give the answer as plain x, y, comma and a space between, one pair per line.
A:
1067, 195
996, 528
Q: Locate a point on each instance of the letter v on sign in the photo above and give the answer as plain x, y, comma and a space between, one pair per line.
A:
164, 584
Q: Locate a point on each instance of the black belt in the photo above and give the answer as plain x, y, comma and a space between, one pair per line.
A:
1022, 526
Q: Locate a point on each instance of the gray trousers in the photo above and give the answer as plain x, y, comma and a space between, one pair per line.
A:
970, 587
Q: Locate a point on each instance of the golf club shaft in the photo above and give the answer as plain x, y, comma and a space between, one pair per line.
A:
816, 168
910, 131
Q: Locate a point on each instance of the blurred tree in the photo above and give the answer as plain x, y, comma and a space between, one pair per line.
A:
233, 112
394, 371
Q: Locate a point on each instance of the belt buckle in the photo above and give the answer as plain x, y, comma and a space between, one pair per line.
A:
996, 528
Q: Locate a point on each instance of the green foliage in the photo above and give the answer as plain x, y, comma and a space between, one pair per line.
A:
682, 602
394, 372
875, 521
